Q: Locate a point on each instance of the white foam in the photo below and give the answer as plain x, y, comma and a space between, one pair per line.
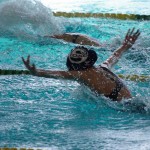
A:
27, 18
100, 6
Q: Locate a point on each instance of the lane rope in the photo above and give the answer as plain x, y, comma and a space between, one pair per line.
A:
5, 148
102, 15
134, 77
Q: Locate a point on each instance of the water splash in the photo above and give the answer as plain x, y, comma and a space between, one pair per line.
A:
27, 19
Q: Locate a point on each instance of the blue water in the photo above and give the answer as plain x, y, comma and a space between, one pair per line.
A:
58, 114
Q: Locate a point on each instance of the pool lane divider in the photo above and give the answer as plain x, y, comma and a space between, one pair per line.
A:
138, 78
14, 72
18, 149
102, 15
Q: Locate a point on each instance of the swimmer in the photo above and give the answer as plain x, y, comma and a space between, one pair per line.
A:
77, 38
100, 79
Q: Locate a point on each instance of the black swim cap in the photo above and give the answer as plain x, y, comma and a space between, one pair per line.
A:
81, 58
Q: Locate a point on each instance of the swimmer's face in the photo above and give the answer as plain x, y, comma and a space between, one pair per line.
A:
78, 56
81, 58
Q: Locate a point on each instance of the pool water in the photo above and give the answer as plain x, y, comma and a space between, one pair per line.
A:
60, 114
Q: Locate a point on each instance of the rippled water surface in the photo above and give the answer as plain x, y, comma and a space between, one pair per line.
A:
59, 114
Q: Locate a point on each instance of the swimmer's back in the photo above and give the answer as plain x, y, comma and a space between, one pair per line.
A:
103, 82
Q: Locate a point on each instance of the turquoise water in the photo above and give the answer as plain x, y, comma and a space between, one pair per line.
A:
59, 114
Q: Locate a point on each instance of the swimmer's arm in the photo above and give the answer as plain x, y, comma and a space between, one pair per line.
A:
48, 73
65, 36
53, 74
76, 38
129, 40
58, 36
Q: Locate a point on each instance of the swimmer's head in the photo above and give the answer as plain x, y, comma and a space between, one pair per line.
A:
81, 58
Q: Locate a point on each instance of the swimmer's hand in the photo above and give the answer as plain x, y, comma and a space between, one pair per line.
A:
30, 67
130, 38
